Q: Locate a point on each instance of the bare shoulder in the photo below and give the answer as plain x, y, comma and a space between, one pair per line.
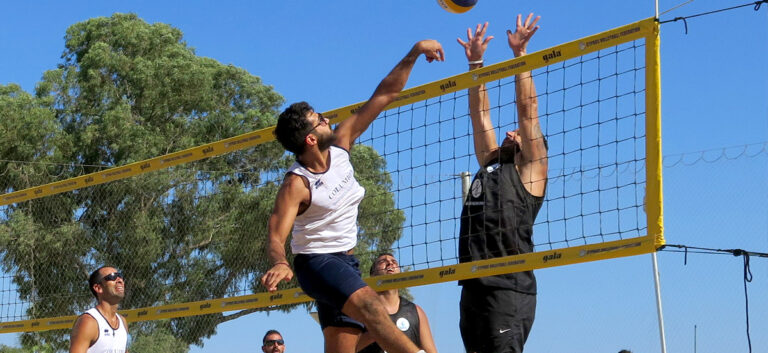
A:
294, 183
343, 134
534, 177
85, 321
294, 190
84, 333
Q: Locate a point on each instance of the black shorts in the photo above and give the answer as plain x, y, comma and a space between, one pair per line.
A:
330, 279
495, 320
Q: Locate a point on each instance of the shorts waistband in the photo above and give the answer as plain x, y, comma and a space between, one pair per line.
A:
348, 252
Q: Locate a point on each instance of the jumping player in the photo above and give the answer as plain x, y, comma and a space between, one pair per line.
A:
497, 219
317, 203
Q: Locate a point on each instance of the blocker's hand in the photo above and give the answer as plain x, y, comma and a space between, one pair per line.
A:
476, 44
278, 272
431, 49
518, 41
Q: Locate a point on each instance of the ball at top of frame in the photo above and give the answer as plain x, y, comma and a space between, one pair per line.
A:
457, 6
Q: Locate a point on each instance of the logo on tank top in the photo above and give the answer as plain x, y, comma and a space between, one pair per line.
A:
403, 324
341, 185
477, 188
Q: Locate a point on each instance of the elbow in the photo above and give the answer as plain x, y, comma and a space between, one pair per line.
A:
386, 94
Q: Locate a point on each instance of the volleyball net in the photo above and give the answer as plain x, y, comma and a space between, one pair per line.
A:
190, 235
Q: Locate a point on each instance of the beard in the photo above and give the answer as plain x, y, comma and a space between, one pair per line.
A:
326, 141
507, 152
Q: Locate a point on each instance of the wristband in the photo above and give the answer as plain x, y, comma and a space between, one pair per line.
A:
476, 62
282, 263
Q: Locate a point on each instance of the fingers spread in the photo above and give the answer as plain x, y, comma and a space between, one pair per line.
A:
485, 28
534, 21
528, 19
533, 31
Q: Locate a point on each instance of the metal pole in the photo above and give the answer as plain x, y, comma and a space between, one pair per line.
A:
657, 9
694, 338
658, 302
464, 185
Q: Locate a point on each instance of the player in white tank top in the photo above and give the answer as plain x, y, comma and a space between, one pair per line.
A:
111, 339
329, 224
102, 329
298, 207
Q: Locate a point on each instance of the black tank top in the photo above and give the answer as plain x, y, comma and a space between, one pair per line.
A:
497, 220
407, 320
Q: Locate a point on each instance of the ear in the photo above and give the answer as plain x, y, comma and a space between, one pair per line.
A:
98, 288
310, 139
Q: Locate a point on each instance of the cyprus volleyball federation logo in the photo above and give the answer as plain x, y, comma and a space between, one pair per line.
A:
477, 188
403, 324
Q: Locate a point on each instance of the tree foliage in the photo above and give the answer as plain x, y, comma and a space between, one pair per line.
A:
126, 91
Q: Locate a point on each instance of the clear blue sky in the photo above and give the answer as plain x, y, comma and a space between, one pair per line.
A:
714, 95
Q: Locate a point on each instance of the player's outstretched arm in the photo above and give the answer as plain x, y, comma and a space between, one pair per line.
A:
484, 136
534, 152
386, 92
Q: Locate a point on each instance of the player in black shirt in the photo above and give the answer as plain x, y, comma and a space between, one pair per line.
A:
497, 219
407, 316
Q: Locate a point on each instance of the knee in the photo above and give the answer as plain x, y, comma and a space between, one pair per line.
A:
366, 304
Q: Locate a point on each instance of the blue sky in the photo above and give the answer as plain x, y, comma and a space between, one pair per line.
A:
714, 95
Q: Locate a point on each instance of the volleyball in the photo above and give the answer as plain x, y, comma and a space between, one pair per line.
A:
457, 6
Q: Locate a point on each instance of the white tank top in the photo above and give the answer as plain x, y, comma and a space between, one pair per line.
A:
329, 224
111, 340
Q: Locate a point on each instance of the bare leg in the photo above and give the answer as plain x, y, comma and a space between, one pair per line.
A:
365, 306
341, 339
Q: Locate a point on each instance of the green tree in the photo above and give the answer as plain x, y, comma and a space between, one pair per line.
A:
160, 341
126, 91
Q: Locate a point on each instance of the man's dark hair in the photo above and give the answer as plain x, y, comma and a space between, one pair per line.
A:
93, 279
373, 264
625, 351
292, 126
264, 340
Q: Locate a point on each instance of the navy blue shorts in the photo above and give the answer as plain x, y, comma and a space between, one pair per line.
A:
330, 279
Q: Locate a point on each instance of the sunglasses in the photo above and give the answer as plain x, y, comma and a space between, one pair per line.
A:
270, 343
111, 277
321, 120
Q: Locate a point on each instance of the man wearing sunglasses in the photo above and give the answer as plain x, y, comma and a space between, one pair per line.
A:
273, 342
317, 203
102, 329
